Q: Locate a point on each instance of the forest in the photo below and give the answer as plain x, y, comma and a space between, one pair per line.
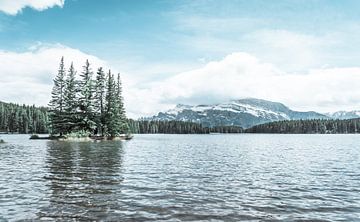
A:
316, 126
177, 127
23, 119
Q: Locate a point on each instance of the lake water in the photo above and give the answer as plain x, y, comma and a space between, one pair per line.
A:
182, 177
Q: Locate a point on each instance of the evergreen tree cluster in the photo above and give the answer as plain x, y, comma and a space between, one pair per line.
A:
168, 127
23, 119
85, 105
177, 127
226, 129
316, 126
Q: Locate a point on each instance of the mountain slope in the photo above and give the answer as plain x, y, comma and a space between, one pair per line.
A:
344, 114
242, 112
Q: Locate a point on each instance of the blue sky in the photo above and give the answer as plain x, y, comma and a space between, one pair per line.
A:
165, 30
157, 43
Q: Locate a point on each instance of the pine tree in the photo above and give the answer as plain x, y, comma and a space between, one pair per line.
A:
86, 99
23, 119
57, 100
99, 103
84, 107
124, 127
113, 123
70, 100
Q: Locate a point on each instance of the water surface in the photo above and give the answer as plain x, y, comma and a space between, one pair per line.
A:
182, 177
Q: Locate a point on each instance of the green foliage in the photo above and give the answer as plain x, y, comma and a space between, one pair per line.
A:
78, 134
99, 103
87, 107
56, 104
320, 126
34, 136
123, 126
86, 114
112, 118
70, 100
177, 127
23, 119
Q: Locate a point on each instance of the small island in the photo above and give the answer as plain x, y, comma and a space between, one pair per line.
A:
85, 108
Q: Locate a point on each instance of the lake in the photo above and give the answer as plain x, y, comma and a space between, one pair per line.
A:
182, 177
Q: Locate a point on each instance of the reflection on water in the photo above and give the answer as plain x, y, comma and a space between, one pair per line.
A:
182, 178
83, 178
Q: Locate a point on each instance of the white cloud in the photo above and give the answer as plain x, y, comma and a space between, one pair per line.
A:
241, 75
291, 50
26, 77
13, 7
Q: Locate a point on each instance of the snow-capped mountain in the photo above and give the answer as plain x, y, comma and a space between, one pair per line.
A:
242, 112
344, 114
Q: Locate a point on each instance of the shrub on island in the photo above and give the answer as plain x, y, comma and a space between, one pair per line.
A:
78, 134
34, 137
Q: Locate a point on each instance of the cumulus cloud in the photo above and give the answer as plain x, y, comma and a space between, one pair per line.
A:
26, 77
241, 75
13, 7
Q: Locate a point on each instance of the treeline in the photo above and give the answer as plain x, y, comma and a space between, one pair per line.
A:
85, 105
170, 127
23, 119
315, 126
177, 127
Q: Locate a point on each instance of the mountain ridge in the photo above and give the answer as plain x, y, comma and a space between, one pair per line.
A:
344, 114
245, 112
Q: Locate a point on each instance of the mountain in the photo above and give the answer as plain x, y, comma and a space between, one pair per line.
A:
344, 114
243, 112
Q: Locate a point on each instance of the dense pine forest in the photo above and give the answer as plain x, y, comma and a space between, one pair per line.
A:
22, 119
84, 106
177, 127
309, 126
171, 127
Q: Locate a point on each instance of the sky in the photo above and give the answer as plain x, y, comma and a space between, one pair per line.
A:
303, 53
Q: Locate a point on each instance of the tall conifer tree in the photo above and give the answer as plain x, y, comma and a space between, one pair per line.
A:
86, 99
112, 121
70, 100
57, 100
124, 127
99, 103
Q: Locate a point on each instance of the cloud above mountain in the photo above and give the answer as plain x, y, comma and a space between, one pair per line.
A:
13, 7
26, 77
240, 75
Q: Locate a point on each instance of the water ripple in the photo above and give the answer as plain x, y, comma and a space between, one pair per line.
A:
182, 178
